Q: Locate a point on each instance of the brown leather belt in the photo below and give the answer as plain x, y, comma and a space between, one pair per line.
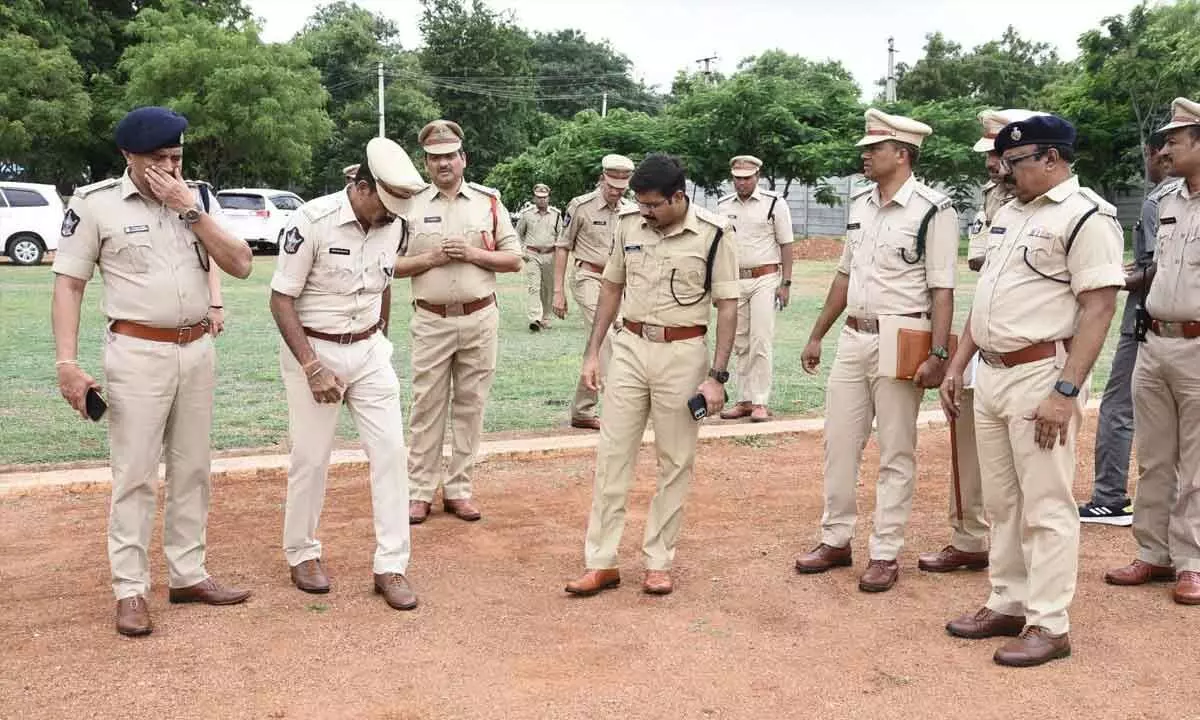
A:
659, 333
871, 325
1032, 353
1188, 329
590, 266
457, 309
178, 336
539, 248
756, 272
344, 338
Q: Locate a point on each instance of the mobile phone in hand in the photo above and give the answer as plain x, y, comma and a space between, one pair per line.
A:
94, 404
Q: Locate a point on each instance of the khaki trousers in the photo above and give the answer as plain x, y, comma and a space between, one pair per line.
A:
453, 362
971, 533
854, 396
373, 397
585, 286
160, 397
753, 342
1166, 405
1027, 494
646, 380
539, 282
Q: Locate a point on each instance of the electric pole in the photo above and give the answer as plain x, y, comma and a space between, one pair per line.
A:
707, 72
381, 134
604, 105
890, 87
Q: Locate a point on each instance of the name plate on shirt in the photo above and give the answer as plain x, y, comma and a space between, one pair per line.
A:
339, 251
130, 229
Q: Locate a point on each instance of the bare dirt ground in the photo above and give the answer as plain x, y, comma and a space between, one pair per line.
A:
817, 248
743, 636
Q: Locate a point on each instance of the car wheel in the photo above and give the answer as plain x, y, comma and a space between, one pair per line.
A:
25, 250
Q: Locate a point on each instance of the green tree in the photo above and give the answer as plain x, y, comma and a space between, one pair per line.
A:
255, 111
573, 73
946, 158
475, 59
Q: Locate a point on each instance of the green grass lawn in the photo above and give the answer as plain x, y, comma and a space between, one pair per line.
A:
534, 381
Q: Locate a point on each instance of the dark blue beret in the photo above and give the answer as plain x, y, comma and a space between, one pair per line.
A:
1037, 130
147, 129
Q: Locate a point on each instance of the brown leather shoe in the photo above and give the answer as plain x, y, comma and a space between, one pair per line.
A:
1139, 572
951, 558
1034, 646
209, 593
310, 577
657, 582
418, 511
760, 414
133, 616
737, 411
823, 557
880, 576
1187, 590
986, 623
395, 590
586, 423
594, 581
462, 509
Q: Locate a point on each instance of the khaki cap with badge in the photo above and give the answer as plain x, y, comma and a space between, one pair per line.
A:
393, 170
881, 127
993, 122
617, 164
541, 190
441, 137
1184, 113
744, 166
350, 170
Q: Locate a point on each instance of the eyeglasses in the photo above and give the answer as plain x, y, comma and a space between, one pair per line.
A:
1008, 163
653, 205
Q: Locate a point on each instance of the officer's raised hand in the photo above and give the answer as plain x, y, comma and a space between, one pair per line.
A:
325, 386
74, 383
170, 189
810, 358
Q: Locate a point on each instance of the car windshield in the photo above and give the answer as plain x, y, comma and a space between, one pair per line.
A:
241, 201
285, 202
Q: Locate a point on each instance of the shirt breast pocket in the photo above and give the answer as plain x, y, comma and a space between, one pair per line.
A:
1041, 254
378, 273
898, 248
1191, 249
335, 277
129, 252
685, 278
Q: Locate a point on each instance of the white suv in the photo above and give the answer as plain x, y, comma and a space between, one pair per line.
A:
258, 215
31, 217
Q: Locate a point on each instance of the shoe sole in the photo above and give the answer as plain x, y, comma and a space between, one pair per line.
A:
1124, 521
982, 636
944, 569
1126, 583
394, 606
181, 601
140, 632
468, 518
806, 570
875, 588
657, 590
1185, 601
1033, 662
596, 591
312, 590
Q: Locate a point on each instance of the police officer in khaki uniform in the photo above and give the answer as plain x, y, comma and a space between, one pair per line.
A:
1166, 381
969, 529
1042, 309
461, 236
588, 233
331, 297
538, 229
764, 235
672, 261
899, 260
154, 247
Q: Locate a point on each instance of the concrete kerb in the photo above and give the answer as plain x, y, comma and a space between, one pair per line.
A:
228, 466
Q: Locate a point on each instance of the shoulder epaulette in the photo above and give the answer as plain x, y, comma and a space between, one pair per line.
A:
1103, 206
631, 210
724, 198
581, 199
314, 210
940, 200
96, 186
1165, 189
485, 189
771, 193
711, 218
859, 192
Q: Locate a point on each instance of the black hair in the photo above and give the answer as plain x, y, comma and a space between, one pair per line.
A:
364, 175
1157, 141
659, 172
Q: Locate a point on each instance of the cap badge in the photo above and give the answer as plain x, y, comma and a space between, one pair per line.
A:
1015, 134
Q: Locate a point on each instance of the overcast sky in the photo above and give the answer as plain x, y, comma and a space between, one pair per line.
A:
663, 36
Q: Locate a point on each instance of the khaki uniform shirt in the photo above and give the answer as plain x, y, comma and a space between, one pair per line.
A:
588, 227
1175, 294
758, 236
336, 272
663, 275
155, 269
878, 239
539, 229
1016, 304
467, 213
995, 195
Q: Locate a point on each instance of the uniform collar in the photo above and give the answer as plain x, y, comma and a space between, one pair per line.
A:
604, 206
989, 186
1183, 190
345, 209
756, 195
1063, 190
902, 196
690, 223
128, 189
463, 189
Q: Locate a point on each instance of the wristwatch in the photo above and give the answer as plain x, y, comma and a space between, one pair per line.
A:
721, 376
1066, 389
785, 283
191, 216
940, 352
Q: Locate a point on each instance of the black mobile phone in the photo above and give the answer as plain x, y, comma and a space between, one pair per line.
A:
698, 405
95, 404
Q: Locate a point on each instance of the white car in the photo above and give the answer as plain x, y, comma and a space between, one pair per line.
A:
258, 215
31, 218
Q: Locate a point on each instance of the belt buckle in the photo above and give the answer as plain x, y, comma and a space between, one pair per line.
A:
345, 338
745, 273
654, 333
1170, 329
868, 325
993, 359
456, 309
